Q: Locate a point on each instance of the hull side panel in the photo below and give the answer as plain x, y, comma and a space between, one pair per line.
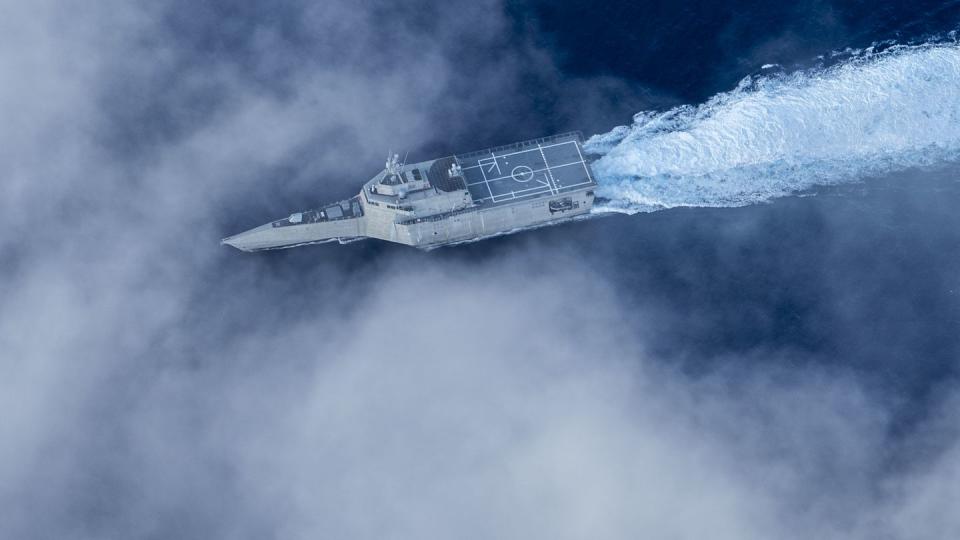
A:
492, 221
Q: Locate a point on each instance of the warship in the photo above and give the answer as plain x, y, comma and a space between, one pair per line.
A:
449, 200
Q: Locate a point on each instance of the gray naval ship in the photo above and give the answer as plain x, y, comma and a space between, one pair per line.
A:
450, 200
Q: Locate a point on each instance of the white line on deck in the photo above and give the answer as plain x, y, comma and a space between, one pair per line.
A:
584, 163
525, 151
485, 179
490, 191
536, 190
549, 173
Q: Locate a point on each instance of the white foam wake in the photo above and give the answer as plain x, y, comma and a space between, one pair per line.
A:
776, 135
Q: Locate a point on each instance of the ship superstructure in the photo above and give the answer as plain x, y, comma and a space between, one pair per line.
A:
449, 200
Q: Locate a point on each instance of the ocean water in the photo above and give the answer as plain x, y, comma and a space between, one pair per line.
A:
765, 106
790, 171
782, 180
758, 336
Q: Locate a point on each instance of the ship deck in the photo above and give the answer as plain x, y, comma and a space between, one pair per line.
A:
526, 170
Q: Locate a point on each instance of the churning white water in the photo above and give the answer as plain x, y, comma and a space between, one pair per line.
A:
774, 135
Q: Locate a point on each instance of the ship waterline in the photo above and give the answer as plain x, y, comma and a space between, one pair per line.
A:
449, 200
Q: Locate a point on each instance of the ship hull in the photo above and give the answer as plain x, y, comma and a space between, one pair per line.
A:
271, 237
427, 233
449, 200
495, 221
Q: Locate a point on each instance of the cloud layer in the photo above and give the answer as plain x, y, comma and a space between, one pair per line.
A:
153, 385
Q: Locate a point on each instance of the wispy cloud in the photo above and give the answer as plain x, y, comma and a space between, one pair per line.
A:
152, 385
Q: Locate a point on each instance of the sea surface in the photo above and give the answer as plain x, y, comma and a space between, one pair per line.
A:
864, 275
756, 336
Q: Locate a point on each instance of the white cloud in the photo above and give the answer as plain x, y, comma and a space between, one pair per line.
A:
153, 385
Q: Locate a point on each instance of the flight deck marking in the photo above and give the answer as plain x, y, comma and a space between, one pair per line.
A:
585, 168
522, 174
549, 173
491, 162
536, 190
532, 170
490, 191
521, 152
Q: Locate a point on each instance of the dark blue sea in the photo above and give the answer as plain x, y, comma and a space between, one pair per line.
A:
758, 337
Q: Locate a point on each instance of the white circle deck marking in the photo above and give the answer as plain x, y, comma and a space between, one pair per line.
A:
522, 173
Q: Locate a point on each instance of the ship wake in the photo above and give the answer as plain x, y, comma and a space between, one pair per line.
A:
773, 135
